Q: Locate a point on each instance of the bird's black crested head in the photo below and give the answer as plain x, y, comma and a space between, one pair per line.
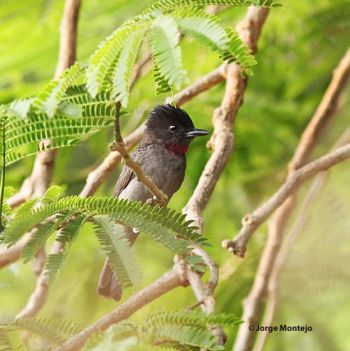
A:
171, 125
166, 115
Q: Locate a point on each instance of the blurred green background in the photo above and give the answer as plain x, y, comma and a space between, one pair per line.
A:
301, 44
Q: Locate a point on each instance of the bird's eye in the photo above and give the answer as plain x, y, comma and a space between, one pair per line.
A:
173, 128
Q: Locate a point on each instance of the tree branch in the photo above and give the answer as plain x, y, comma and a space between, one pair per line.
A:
222, 140
202, 84
251, 222
169, 281
13, 253
147, 181
323, 115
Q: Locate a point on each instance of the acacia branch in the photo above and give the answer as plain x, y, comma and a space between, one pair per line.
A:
201, 85
13, 253
145, 180
169, 281
252, 222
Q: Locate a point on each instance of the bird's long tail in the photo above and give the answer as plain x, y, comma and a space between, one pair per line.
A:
108, 284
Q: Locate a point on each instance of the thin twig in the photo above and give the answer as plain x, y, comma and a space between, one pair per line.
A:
96, 177
147, 181
119, 146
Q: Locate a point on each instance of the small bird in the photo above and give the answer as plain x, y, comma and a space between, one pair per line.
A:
162, 156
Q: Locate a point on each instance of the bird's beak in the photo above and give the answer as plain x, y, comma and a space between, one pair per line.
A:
196, 132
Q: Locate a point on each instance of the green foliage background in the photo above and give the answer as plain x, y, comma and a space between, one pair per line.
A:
300, 45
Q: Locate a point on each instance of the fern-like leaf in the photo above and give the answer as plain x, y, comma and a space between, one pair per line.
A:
53, 264
121, 330
21, 107
38, 239
190, 318
185, 335
71, 226
11, 341
103, 58
117, 248
160, 82
169, 5
207, 29
123, 69
185, 329
238, 52
163, 224
52, 329
49, 98
166, 52
20, 138
52, 194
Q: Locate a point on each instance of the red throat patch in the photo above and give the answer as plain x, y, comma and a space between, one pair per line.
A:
177, 149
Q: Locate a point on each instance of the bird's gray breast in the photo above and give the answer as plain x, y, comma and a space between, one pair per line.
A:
164, 167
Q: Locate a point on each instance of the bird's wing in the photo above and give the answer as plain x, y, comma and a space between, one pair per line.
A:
126, 175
